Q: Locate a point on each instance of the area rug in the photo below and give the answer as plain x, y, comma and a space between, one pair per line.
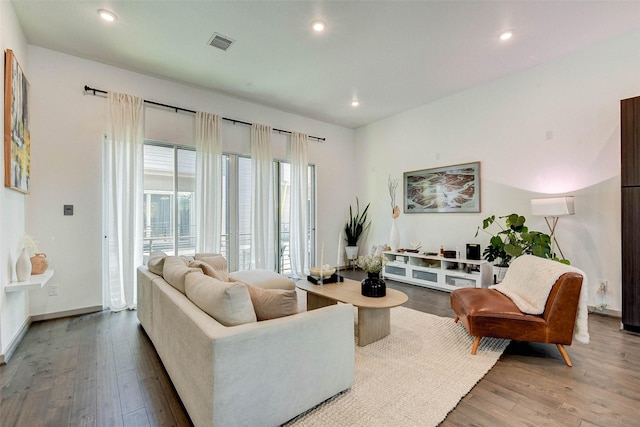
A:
415, 376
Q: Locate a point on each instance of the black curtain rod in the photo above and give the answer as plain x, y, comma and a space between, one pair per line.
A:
173, 107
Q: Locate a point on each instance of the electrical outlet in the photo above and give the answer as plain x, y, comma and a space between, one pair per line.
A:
53, 290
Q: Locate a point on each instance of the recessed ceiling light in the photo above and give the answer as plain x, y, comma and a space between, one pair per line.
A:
107, 15
318, 25
506, 35
355, 103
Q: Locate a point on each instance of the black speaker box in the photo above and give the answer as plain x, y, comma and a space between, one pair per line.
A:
473, 251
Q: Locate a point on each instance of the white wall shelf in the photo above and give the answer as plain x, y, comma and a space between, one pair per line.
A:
36, 281
437, 272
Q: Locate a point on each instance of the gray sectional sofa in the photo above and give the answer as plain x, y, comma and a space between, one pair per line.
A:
260, 373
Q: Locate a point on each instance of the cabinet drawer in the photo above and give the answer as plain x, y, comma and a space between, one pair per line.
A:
425, 275
392, 269
460, 282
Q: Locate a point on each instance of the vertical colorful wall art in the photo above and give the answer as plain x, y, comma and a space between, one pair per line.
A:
17, 138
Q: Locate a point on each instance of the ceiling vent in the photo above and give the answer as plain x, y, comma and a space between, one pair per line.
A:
220, 41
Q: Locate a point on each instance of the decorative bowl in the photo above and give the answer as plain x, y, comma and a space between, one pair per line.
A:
326, 271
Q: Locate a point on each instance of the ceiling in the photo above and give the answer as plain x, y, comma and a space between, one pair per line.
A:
390, 55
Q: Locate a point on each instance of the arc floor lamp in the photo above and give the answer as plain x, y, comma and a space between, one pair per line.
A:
552, 208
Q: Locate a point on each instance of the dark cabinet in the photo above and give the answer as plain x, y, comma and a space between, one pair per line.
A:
630, 141
630, 211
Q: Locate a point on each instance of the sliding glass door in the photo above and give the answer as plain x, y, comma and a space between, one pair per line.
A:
169, 222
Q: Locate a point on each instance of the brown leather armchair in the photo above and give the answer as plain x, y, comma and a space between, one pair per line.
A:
489, 313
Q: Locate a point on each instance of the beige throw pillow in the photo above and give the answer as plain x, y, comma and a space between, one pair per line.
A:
217, 262
273, 303
210, 271
228, 303
155, 264
199, 256
264, 279
175, 270
206, 268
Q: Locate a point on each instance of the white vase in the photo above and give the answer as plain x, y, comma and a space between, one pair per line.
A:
394, 237
23, 266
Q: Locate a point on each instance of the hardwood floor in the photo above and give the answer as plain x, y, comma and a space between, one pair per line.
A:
101, 369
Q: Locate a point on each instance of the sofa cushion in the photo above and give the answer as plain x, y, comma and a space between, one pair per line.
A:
175, 270
217, 262
210, 271
228, 303
264, 279
273, 303
199, 256
155, 264
206, 268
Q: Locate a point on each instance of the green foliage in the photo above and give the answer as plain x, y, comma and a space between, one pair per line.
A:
514, 239
356, 224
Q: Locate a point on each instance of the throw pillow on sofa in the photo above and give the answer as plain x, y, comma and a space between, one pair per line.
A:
175, 270
210, 271
217, 262
228, 303
155, 264
206, 268
273, 303
201, 255
265, 279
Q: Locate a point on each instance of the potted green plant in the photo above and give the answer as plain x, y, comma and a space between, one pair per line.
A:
354, 227
514, 239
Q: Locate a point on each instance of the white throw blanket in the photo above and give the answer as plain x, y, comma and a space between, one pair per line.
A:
528, 283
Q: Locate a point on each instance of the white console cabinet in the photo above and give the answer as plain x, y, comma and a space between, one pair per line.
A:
436, 271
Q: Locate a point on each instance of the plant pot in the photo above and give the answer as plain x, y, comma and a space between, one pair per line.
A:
498, 273
351, 252
373, 286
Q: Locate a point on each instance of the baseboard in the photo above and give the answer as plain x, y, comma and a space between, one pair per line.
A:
13, 345
67, 313
605, 312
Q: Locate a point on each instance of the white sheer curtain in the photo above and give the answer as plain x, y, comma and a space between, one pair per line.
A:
262, 217
299, 199
208, 182
125, 140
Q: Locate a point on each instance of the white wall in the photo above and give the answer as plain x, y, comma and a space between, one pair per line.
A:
66, 161
553, 129
13, 306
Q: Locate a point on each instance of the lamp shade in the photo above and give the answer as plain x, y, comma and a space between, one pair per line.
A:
553, 206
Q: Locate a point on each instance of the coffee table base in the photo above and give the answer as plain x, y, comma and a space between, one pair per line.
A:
373, 323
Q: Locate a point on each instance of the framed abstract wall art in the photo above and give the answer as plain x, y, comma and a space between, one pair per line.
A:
17, 138
454, 188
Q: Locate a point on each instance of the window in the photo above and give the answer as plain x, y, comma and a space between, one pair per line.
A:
236, 225
284, 206
236, 206
169, 222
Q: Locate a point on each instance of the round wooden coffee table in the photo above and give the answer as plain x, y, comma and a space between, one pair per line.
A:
374, 314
